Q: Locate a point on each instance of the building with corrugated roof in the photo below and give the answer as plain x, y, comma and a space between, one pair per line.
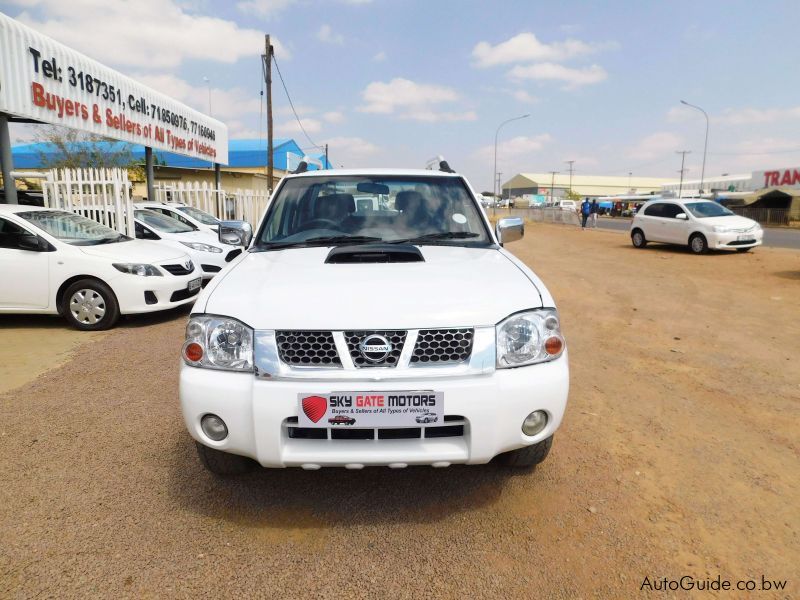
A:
591, 186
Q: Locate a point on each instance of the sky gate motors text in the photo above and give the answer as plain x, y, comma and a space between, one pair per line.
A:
382, 400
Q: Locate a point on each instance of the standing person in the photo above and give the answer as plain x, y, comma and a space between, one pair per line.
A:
594, 210
586, 210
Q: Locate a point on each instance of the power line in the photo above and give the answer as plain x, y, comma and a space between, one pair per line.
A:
289, 98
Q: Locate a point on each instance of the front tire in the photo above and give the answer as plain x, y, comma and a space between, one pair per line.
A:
637, 238
223, 464
529, 456
90, 305
698, 243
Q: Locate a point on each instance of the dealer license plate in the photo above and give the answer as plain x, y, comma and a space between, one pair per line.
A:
345, 410
742, 238
195, 284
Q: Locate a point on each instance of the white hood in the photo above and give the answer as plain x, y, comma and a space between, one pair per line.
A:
295, 289
731, 222
136, 251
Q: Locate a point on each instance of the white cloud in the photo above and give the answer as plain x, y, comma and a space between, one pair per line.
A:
410, 100
353, 152
292, 127
286, 110
572, 77
151, 34
516, 148
526, 47
226, 103
264, 8
524, 97
327, 35
333, 116
357, 2
681, 114
656, 145
380, 56
749, 116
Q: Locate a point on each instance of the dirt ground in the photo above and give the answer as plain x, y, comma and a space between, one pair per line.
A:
679, 455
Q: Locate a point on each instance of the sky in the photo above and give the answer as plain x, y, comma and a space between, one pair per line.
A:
393, 83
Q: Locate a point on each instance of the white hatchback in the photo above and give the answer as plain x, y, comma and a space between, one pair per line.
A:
701, 225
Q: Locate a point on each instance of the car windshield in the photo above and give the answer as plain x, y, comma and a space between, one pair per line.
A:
702, 210
72, 228
199, 215
161, 222
332, 210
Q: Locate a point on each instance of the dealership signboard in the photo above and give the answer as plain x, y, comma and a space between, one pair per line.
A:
45, 81
776, 178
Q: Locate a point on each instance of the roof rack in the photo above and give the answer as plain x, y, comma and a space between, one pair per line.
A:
439, 163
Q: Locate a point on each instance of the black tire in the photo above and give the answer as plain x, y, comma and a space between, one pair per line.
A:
698, 243
99, 309
529, 456
744, 249
637, 238
223, 464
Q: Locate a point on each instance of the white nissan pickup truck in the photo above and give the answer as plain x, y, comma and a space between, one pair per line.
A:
351, 336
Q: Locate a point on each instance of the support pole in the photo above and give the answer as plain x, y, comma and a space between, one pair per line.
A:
148, 169
217, 177
7, 160
268, 77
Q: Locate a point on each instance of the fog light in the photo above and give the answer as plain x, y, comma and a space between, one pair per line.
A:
534, 422
214, 427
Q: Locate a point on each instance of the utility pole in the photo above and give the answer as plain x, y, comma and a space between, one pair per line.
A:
268, 81
570, 163
683, 154
552, 183
326, 156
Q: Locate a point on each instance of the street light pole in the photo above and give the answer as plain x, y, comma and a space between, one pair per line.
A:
496, 133
552, 183
705, 144
683, 154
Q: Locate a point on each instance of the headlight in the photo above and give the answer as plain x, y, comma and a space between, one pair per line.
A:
529, 337
203, 247
138, 269
218, 343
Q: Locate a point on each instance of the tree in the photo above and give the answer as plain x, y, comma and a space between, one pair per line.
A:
73, 149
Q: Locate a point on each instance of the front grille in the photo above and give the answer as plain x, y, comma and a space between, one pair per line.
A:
179, 269
395, 338
232, 254
443, 346
307, 348
183, 294
741, 242
395, 433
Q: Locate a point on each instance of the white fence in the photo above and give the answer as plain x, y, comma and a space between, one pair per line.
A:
243, 205
541, 215
103, 195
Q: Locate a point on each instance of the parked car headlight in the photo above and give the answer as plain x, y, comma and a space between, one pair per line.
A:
203, 247
138, 269
529, 337
218, 343
722, 229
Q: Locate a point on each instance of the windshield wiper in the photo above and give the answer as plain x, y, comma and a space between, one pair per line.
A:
320, 241
434, 237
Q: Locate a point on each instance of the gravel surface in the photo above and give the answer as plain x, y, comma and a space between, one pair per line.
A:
678, 456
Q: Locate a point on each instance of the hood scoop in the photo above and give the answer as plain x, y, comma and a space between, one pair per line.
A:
374, 253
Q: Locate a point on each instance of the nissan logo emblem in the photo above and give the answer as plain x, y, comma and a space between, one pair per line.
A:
375, 348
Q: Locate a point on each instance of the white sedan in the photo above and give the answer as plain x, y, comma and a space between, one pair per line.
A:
57, 262
188, 215
203, 247
701, 225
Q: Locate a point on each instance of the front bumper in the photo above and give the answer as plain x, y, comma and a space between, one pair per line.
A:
493, 407
731, 241
136, 294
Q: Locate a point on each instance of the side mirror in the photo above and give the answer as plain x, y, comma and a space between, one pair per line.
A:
31, 242
682, 216
235, 233
510, 229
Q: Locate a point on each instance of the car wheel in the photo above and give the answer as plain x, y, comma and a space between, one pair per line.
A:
744, 249
698, 243
223, 464
90, 305
529, 456
638, 239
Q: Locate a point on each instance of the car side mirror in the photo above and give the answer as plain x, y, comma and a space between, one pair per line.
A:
31, 242
235, 233
510, 229
682, 216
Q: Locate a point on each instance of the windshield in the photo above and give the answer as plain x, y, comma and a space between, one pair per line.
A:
199, 215
71, 228
702, 210
331, 210
161, 222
